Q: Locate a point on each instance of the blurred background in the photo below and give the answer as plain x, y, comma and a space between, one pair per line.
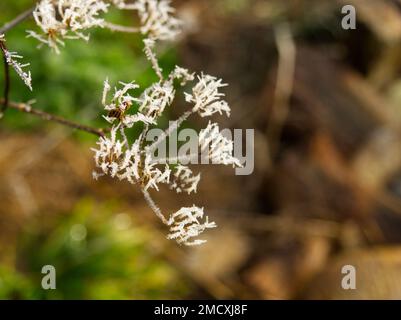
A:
326, 190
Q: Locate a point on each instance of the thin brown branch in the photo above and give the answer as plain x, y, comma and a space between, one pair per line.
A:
154, 207
16, 21
119, 28
6, 79
26, 108
284, 86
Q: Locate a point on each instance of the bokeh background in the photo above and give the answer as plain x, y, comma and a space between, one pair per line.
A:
325, 106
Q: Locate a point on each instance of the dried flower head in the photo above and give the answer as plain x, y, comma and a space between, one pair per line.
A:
217, 148
119, 105
122, 4
156, 98
110, 157
66, 19
186, 225
157, 21
152, 175
183, 75
207, 98
69, 19
135, 162
184, 180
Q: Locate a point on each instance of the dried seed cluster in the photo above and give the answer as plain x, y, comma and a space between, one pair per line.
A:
116, 156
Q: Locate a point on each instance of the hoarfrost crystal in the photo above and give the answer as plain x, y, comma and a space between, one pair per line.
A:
186, 225
11, 58
156, 18
207, 98
216, 147
184, 180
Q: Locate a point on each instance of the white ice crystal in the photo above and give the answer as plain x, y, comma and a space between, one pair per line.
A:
109, 156
123, 4
121, 102
133, 160
207, 98
183, 75
152, 175
217, 148
156, 98
157, 20
11, 58
185, 225
115, 158
184, 180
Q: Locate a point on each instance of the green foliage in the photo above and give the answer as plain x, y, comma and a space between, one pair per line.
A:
14, 285
97, 255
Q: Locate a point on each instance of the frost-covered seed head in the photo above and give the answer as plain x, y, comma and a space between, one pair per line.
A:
183, 75
155, 99
152, 175
109, 155
218, 148
120, 104
184, 180
157, 21
186, 224
207, 98
66, 19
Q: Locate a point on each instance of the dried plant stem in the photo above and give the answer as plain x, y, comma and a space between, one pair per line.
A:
26, 108
119, 28
152, 58
174, 126
122, 132
179, 159
154, 207
20, 18
6, 79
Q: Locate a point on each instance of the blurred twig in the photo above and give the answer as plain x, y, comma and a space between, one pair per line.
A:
116, 27
20, 18
285, 82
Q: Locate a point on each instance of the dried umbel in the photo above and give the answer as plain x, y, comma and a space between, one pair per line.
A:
207, 98
156, 16
217, 148
70, 19
157, 21
136, 163
185, 225
184, 180
66, 19
129, 105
